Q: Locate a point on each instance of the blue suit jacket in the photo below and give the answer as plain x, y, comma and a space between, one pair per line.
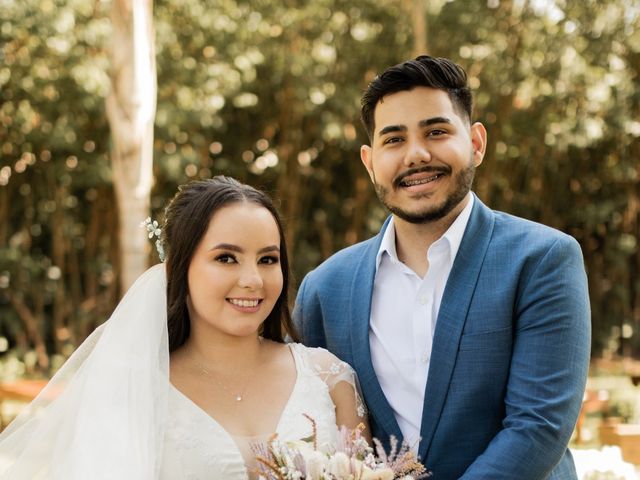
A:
510, 350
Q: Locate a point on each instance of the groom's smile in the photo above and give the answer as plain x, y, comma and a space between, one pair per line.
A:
423, 154
417, 177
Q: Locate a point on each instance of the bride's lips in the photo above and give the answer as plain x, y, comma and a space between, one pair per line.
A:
245, 305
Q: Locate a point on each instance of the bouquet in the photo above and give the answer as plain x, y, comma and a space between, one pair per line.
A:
351, 459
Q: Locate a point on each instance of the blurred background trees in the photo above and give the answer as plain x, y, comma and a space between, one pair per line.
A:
268, 92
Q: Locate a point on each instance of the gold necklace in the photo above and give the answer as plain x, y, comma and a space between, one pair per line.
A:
237, 396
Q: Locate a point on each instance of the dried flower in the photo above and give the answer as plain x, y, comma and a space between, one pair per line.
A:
351, 458
316, 465
340, 465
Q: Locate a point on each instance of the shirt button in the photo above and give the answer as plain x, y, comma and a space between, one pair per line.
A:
424, 358
423, 300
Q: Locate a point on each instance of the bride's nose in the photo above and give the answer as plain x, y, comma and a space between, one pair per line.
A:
250, 277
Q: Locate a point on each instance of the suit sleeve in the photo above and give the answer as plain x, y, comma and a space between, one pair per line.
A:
307, 315
550, 358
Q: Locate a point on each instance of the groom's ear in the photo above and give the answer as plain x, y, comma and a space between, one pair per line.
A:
366, 155
478, 142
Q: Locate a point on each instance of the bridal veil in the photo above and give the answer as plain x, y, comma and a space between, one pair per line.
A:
102, 415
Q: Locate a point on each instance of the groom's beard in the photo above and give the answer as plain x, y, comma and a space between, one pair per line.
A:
462, 180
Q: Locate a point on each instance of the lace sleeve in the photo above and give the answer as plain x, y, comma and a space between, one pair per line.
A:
334, 372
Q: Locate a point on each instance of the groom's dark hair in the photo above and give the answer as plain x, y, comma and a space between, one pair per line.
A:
187, 219
423, 71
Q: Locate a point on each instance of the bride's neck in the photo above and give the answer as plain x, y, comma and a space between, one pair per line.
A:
217, 351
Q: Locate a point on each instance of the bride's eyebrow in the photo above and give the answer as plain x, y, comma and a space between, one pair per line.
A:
236, 248
227, 246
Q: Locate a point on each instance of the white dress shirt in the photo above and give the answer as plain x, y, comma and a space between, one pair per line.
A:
404, 311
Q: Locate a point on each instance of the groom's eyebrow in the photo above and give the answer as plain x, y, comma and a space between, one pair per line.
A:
236, 248
422, 124
392, 128
432, 121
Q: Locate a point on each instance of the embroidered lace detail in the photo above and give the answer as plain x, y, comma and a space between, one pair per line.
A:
193, 445
333, 371
198, 448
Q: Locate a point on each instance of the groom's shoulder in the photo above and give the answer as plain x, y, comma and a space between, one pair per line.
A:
514, 229
345, 260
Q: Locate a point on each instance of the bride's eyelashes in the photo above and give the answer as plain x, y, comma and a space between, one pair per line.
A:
226, 258
231, 258
270, 260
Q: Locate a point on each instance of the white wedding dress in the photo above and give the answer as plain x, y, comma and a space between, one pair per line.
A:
110, 412
198, 448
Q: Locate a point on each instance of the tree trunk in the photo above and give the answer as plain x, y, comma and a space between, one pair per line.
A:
58, 256
131, 107
4, 213
290, 187
511, 26
357, 230
417, 10
32, 329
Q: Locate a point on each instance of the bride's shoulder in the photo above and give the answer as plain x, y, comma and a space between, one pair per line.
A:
321, 359
316, 352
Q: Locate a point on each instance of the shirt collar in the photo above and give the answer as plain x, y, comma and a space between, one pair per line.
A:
453, 236
388, 244
455, 232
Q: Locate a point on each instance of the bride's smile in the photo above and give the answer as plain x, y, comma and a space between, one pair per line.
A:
235, 278
245, 304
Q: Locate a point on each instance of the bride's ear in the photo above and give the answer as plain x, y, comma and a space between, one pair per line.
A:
188, 303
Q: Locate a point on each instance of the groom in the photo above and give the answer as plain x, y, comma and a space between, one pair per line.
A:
469, 328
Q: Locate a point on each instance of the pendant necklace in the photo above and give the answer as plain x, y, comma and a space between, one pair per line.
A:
238, 396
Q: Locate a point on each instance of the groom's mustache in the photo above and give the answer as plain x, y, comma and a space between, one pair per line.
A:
412, 171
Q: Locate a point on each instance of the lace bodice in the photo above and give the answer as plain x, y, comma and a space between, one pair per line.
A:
196, 447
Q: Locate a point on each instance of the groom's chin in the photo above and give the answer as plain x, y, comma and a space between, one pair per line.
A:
420, 217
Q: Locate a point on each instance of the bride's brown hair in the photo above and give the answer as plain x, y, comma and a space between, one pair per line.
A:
186, 220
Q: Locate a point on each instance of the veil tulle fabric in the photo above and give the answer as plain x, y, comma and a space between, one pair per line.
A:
103, 415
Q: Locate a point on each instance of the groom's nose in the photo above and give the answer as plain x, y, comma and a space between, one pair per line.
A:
417, 152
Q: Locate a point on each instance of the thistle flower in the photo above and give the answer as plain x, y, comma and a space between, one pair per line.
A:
350, 458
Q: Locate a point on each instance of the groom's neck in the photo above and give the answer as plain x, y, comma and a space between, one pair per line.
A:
414, 239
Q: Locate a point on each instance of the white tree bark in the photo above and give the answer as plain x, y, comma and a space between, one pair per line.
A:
131, 108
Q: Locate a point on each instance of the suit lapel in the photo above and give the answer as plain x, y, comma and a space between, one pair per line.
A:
452, 316
360, 308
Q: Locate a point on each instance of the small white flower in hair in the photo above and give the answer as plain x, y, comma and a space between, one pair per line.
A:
154, 230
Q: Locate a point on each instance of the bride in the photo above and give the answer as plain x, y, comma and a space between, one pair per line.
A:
191, 369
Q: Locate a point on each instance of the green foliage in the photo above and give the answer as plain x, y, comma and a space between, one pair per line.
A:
268, 92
